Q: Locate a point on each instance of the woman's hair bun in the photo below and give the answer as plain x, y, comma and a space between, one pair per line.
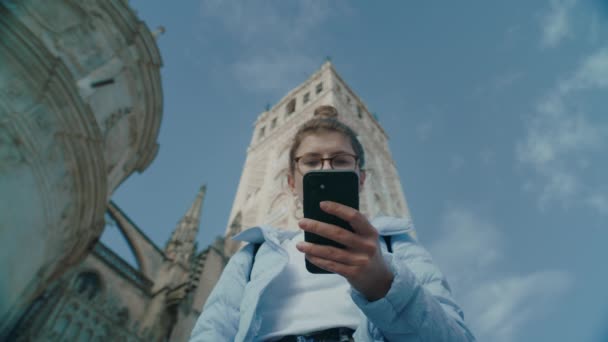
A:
326, 112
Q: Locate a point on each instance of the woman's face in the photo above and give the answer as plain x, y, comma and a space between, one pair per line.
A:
326, 145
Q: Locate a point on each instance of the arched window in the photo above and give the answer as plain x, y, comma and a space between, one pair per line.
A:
291, 107
306, 97
88, 284
319, 87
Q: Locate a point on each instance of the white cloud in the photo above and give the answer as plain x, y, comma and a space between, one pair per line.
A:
594, 28
599, 202
560, 135
556, 23
487, 155
423, 130
507, 80
475, 248
274, 72
496, 306
276, 39
267, 22
456, 162
499, 309
592, 73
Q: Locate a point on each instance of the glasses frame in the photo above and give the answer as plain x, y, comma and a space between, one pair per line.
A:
330, 159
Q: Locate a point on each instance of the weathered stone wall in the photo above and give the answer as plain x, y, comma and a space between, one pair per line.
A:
94, 301
80, 109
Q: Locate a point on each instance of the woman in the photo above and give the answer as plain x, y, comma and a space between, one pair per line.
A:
373, 295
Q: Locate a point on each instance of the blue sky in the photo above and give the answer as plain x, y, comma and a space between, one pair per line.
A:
496, 117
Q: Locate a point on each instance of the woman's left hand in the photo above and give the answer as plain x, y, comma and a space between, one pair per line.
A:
360, 262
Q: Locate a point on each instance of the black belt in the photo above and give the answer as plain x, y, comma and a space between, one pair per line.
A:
328, 335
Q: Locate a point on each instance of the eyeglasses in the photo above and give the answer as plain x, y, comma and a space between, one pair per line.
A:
310, 162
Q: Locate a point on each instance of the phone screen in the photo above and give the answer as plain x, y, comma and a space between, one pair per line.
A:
328, 185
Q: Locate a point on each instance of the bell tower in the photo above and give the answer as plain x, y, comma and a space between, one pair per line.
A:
263, 196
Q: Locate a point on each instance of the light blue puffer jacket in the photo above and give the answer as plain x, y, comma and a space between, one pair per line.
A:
418, 306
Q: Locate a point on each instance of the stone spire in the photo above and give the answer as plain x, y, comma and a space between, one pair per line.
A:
182, 243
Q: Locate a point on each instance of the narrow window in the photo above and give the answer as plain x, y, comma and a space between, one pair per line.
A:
306, 97
319, 87
359, 112
102, 83
88, 284
261, 135
338, 89
347, 100
291, 107
273, 124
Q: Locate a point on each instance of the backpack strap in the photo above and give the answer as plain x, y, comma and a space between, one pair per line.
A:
256, 247
387, 240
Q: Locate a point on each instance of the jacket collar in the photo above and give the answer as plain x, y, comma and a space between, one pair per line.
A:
385, 225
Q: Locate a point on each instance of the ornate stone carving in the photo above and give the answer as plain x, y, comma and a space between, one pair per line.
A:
114, 118
53, 155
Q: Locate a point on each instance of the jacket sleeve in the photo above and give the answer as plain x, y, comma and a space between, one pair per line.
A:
419, 305
219, 320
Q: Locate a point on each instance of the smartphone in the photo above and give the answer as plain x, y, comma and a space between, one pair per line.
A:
328, 185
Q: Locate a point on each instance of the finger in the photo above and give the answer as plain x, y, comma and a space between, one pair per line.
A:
331, 253
338, 234
333, 266
357, 221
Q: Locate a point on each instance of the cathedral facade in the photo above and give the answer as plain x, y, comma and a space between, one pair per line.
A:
80, 111
104, 298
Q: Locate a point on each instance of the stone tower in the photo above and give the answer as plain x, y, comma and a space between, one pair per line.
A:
263, 196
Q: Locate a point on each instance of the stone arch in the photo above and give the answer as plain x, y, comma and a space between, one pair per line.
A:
278, 210
281, 178
280, 200
282, 166
281, 160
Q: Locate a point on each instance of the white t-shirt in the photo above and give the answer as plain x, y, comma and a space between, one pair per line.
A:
299, 302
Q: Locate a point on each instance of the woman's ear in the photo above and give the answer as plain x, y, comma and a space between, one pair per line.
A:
362, 176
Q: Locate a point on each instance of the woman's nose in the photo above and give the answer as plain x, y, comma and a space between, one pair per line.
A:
325, 162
